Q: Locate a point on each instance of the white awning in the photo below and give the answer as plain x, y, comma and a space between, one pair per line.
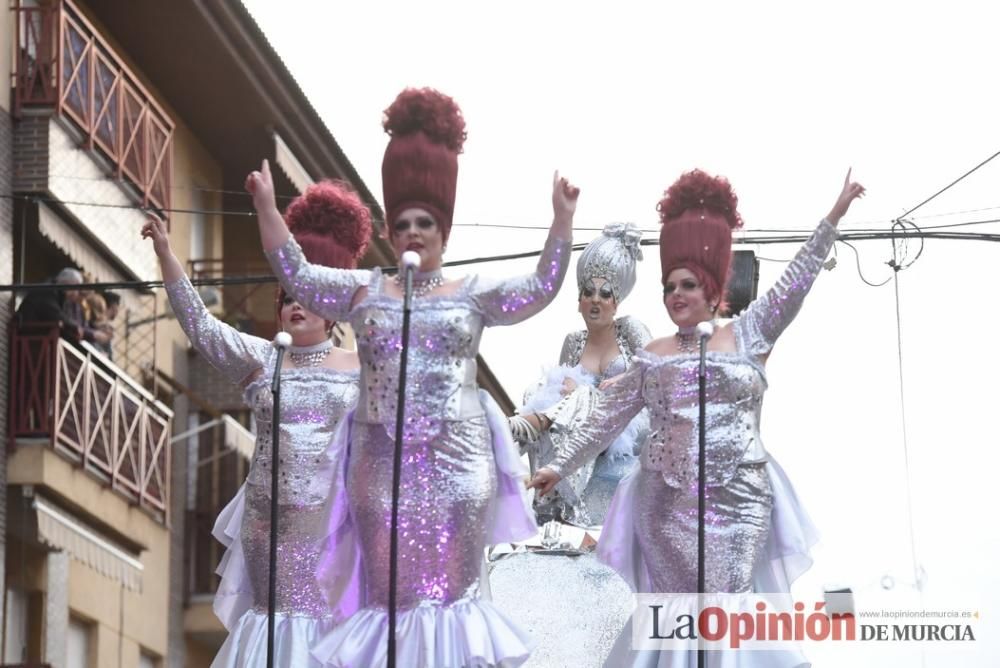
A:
53, 227
290, 165
60, 530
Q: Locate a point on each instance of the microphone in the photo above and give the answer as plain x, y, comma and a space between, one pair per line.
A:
281, 342
409, 260
705, 329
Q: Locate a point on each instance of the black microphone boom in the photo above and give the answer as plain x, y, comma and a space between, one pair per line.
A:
409, 263
705, 330
281, 342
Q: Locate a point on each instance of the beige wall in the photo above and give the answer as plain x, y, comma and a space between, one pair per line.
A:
93, 596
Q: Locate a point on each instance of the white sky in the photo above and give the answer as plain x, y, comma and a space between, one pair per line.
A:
781, 98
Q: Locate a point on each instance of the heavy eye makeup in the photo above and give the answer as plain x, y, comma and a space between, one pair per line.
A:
423, 223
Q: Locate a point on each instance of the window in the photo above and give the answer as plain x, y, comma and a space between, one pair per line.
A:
15, 648
77, 644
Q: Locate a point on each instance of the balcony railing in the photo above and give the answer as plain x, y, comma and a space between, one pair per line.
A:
92, 412
62, 62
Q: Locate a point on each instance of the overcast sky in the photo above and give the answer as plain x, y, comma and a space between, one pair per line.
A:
781, 98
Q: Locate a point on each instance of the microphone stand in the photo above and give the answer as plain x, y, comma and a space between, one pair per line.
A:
702, 346
280, 343
397, 460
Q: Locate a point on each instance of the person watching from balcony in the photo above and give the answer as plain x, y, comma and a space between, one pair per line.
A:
61, 306
319, 387
103, 309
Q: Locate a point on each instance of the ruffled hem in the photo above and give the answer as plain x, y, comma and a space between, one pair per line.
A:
234, 596
294, 638
471, 633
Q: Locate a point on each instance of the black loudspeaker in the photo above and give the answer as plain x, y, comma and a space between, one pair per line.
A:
744, 273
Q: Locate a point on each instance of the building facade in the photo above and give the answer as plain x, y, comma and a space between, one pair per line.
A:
114, 467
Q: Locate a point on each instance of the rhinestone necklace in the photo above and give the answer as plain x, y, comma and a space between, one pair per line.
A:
423, 282
310, 356
687, 340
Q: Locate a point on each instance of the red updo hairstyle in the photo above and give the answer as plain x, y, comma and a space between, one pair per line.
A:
420, 165
698, 214
331, 224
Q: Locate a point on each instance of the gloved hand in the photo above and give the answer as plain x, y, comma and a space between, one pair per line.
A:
523, 431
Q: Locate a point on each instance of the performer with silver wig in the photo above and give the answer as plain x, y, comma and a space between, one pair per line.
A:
564, 397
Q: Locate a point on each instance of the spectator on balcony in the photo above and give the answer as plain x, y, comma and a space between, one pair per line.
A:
319, 387
60, 306
103, 309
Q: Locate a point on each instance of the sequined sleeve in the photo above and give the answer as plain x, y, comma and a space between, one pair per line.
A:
766, 318
635, 335
512, 300
323, 290
610, 413
571, 348
236, 355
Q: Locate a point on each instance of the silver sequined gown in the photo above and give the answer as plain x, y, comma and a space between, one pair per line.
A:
583, 497
313, 401
655, 516
449, 472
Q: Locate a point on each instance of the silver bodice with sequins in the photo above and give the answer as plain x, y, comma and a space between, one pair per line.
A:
445, 332
313, 401
630, 335
735, 384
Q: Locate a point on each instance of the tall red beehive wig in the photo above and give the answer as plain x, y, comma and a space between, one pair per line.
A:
332, 225
420, 166
698, 214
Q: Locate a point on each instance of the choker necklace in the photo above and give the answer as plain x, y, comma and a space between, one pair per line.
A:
423, 281
687, 339
310, 356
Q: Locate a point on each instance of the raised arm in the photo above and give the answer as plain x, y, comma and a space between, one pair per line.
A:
610, 414
759, 327
323, 290
236, 355
510, 301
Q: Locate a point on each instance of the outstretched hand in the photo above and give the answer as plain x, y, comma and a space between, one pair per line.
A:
564, 196
851, 191
156, 230
544, 480
260, 185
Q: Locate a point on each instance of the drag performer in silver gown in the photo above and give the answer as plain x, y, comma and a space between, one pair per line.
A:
462, 482
535, 581
564, 396
319, 386
757, 535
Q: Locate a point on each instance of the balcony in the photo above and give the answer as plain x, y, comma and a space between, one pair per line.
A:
90, 411
63, 64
